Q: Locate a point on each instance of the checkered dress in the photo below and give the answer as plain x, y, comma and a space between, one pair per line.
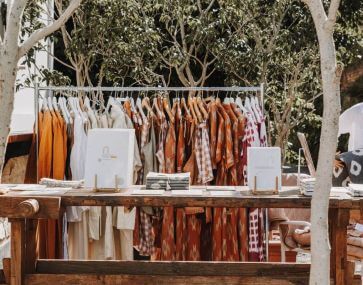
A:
202, 154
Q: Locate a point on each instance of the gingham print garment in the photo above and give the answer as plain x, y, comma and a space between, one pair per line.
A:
144, 137
160, 153
202, 154
253, 243
146, 246
248, 140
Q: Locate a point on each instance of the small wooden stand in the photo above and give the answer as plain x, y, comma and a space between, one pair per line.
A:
116, 189
264, 192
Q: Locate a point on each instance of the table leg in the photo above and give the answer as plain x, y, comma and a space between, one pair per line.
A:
17, 251
30, 249
338, 221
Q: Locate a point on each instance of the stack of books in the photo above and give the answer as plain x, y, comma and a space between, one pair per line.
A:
169, 182
356, 190
307, 186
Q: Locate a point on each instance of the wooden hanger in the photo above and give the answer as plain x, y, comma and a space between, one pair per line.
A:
127, 106
183, 104
201, 108
146, 104
159, 114
139, 107
191, 108
167, 109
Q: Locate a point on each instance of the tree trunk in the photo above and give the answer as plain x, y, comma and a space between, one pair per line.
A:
8, 67
320, 247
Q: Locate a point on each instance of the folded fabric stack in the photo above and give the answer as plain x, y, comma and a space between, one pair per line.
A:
355, 236
307, 186
355, 245
356, 190
61, 183
163, 181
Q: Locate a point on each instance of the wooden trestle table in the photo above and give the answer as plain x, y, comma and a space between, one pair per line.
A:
22, 208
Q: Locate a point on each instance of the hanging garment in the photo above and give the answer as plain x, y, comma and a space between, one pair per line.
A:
78, 216
45, 247
124, 222
202, 154
167, 235
213, 132
350, 121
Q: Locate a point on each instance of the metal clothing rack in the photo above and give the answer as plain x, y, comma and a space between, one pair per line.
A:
240, 89
259, 89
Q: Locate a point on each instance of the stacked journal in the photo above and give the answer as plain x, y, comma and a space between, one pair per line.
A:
356, 190
163, 181
307, 186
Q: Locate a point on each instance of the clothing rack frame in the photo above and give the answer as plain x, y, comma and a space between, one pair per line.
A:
240, 89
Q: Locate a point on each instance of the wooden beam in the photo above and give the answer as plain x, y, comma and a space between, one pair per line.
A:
17, 251
339, 219
50, 279
30, 230
27, 137
172, 268
238, 200
15, 207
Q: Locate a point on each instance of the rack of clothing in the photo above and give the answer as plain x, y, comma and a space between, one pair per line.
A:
202, 130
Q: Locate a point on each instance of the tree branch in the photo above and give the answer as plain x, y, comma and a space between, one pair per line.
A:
57, 59
46, 31
332, 14
14, 15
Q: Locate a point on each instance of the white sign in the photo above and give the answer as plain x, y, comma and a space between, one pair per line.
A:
110, 158
264, 168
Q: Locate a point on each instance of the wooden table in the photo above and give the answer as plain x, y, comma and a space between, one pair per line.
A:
23, 207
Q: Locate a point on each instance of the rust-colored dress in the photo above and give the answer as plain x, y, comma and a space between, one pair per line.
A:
225, 221
168, 235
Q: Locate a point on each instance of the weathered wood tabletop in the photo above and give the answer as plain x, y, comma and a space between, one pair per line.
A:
22, 206
241, 197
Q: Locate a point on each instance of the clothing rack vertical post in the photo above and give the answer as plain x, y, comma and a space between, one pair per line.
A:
239, 89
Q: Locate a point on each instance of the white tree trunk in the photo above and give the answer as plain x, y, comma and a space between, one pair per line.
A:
320, 246
7, 84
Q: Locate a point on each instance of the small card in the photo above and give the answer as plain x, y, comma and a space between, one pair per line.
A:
221, 188
191, 192
147, 192
222, 193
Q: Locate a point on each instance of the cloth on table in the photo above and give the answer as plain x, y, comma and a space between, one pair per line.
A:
355, 251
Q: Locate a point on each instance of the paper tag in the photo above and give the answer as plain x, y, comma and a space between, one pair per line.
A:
221, 188
191, 192
222, 193
358, 227
148, 192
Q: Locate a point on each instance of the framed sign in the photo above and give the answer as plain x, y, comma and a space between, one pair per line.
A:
109, 159
264, 169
